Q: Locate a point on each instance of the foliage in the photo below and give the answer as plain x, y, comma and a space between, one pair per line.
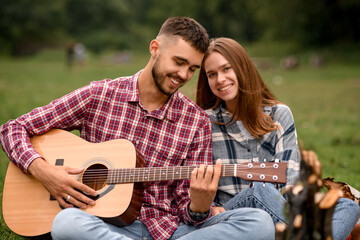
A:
310, 23
26, 26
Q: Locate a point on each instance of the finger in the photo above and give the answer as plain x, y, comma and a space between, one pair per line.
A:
84, 188
75, 170
217, 210
217, 172
79, 198
75, 200
209, 174
63, 203
194, 174
79, 186
201, 172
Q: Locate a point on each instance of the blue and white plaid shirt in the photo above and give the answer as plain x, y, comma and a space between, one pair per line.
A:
232, 146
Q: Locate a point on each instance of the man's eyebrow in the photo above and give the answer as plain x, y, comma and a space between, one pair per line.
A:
186, 61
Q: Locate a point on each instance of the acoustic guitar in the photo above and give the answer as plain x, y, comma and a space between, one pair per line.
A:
113, 168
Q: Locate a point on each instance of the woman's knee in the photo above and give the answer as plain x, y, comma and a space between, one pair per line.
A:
346, 208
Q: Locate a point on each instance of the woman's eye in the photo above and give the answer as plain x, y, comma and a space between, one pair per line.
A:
211, 75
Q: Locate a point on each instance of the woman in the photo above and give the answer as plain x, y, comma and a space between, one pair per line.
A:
250, 124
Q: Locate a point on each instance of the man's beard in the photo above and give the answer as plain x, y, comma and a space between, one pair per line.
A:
159, 79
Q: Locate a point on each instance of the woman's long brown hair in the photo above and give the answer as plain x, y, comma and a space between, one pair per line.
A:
253, 93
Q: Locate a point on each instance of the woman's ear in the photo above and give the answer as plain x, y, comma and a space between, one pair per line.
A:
154, 48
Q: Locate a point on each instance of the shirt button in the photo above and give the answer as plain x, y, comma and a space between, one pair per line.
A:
137, 141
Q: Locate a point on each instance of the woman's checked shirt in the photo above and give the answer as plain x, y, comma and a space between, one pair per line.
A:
232, 147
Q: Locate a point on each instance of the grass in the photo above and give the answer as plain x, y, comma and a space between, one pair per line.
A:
325, 102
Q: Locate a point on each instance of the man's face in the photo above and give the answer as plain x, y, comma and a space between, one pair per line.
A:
175, 65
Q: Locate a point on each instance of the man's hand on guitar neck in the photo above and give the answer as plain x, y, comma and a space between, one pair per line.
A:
203, 187
60, 185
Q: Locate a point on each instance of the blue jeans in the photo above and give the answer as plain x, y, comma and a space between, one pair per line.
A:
268, 198
242, 223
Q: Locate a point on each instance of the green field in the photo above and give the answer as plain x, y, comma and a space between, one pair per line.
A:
325, 102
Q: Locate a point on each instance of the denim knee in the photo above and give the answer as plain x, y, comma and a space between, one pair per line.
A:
345, 216
347, 209
63, 222
266, 226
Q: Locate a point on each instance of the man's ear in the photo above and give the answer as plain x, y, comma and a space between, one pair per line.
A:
154, 48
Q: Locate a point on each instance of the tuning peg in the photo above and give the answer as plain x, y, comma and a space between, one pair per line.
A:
264, 159
251, 185
277, 160
264, 185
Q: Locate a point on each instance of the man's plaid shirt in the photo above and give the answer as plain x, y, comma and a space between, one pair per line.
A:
176, 134
232, 147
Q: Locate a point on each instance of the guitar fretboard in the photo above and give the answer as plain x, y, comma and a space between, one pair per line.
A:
267, 172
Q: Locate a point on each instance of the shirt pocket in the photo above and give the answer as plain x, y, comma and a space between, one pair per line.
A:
161, 158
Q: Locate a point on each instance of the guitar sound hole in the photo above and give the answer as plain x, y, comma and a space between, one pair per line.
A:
95, 176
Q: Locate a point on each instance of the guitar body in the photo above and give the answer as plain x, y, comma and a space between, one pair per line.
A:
113, 168
28, 208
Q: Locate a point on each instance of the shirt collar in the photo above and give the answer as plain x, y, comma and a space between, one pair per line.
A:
221, 109
172, 108
133, 91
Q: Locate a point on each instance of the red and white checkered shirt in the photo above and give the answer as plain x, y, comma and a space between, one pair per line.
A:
176, 134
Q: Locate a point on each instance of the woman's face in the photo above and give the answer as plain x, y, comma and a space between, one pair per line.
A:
222, 79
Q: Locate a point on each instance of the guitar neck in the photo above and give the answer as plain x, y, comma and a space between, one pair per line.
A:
266, 172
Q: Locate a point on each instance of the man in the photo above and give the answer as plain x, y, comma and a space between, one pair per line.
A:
166, 128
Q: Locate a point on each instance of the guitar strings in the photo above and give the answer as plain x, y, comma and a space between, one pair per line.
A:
156, 173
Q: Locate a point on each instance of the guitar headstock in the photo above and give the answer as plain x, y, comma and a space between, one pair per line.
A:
274, 172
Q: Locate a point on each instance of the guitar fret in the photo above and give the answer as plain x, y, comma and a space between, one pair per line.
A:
132, 175
128, 176
114, 176
122, 176
146, 175
163, 174
177, 171
157, 174
140, 176
151, 177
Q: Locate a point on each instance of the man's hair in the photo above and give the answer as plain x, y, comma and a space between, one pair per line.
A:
188, 29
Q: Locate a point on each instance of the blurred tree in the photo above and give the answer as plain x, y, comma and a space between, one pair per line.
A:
310, 23
229, 18
100, 24
25, 25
